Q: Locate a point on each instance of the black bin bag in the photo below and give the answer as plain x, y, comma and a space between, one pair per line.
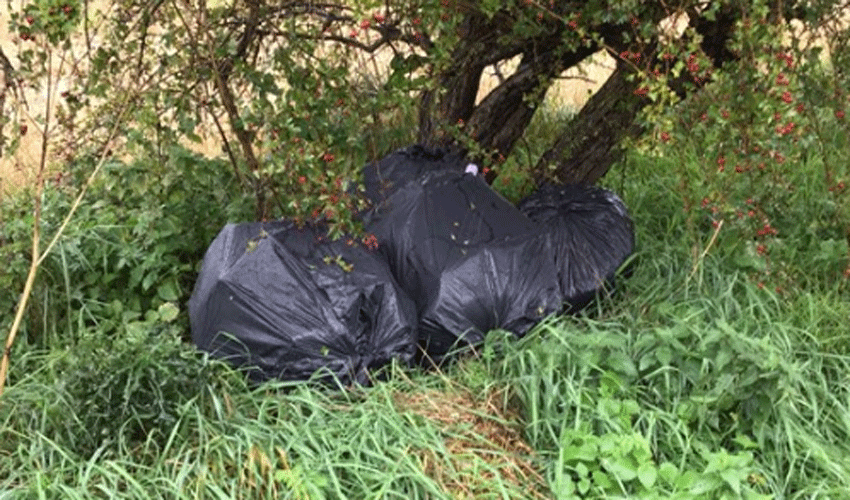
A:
267, 300
384, 177
592, 236
469, 259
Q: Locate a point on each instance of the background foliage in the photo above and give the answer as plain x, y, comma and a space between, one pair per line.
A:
720, 371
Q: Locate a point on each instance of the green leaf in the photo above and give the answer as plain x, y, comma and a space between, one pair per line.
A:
745, 442
585, 451
668, 473
168, 312
621, 363
621, 467
567, 489
733, 478
647, 474
686, 480
582, 470
168, 291
602, 480
664, 355
705, 484
583, 485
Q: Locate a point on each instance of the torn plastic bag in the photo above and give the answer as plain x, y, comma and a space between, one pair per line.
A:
383, 178
267, 299
592, 236
469, 259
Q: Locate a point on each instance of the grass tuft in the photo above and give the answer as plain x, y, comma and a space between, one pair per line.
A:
692, 381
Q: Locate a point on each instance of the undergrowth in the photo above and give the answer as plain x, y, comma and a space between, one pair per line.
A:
692, 381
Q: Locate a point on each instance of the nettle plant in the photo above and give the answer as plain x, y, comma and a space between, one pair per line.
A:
767, 138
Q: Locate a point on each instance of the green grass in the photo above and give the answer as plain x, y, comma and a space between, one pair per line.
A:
691, 382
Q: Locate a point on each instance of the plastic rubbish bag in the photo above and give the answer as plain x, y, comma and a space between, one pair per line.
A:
286, 302
383, 178
469, 259
592, 236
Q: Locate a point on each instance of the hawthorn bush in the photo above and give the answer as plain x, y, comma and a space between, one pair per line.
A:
764, 146
296, 97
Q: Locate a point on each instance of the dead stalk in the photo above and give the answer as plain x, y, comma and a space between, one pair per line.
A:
37, 256
705, 251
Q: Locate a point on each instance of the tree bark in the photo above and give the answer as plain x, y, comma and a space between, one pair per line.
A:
453, 100
590, 144
585, 151
500, 119
588, 147
8, 84
503, 115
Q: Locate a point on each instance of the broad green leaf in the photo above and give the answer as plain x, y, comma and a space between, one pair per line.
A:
647, 474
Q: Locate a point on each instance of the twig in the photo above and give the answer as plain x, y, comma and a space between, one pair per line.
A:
705, 250
38, 257
36, 234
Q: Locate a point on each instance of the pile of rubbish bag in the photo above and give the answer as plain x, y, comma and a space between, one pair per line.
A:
454, 261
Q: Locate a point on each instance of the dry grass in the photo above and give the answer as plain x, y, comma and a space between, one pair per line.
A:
480, 442
12, 171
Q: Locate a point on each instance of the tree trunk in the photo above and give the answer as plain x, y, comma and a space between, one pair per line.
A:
8, 84
500, 119
591, 143
588, 147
